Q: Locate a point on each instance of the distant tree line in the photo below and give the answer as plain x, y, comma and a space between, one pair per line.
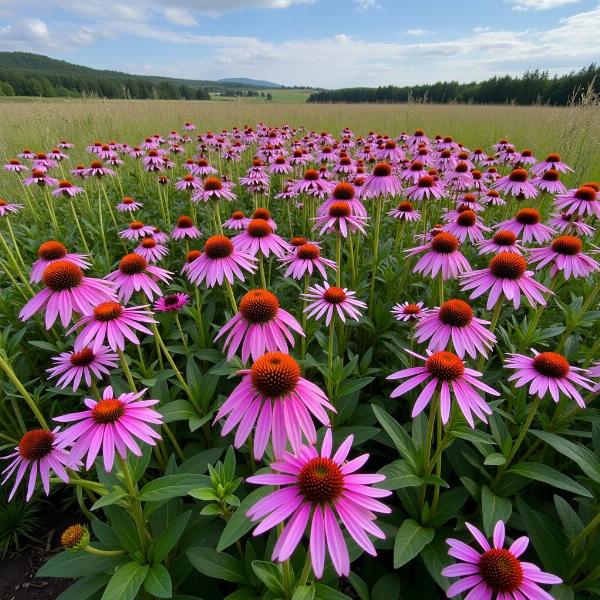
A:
531, 88
20, 83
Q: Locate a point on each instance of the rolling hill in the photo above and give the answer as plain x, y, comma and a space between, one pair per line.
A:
28, 74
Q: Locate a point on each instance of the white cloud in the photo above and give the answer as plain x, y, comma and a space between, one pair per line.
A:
179, 16
525, 5
417, 32
363, 5
35, 35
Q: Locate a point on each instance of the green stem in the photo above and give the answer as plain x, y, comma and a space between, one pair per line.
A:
330, 360
98, 552
78, 224
126, 370
338, 259
231, 296
181, 334
134, 503
584, 308
522, 433
378, 209
171, 362
585, 532
14, 241
305, 570
261, 268
12, 376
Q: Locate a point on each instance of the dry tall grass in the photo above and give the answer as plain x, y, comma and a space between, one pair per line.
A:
573, 131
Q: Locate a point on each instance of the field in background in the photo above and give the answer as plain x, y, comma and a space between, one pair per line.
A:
287, 96
572, 131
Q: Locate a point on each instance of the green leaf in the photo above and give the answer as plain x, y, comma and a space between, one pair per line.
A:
360, 586
547, 539
85, 587
304, 592
172, 486
139, 464
126, 582
77, 564
348, 387
494, 509
403, 442
239, 524
124, 528
410, 540
398, 475
562, 592
110, 498
586, 460
546, 474
178, 410
449, 506
198, 464
569, 518
435, 558
324, 592
158, 582
472, 435
495, 459
387, 588
217, 564
270, 574
169, 537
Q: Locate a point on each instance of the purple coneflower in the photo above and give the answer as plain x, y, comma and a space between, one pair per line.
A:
72, 367
51, 251
548, 372
507, 276
582, 201
454, 320
326, 300
9, 207
405, 211
128, 204
552, 162
260, 326
517, 184
189, 183
220, 260
67, 189
39, 450
237, 222
39, 177
113, 322
273, 396
339, 217
111, 425
549, 182
467, 225
382, 182
304, 260
280, 166
136, 230
447, 374
259, 237
496, 573
185, 228
313, 185
97, 169
66, 291
213, 189
15, 165
136, 275
442, 255
426, 188
265, 215
566, 256
527, 224
409, 311
501, 241
570, 224
492, 197
319, 489
151, 250
171, 302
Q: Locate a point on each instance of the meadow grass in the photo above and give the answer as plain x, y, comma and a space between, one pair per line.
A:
573, 131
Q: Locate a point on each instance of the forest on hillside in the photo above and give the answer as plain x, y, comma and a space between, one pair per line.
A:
533, 87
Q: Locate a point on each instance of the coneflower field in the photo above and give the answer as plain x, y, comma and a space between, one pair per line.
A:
271, 362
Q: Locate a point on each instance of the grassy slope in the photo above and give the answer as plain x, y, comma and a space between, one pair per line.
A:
574, 132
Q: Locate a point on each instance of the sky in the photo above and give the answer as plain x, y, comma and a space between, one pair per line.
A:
320, 43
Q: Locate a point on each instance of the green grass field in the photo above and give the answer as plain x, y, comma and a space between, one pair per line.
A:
286, 96
572, 131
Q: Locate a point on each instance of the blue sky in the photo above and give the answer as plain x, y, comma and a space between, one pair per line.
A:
326, 43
